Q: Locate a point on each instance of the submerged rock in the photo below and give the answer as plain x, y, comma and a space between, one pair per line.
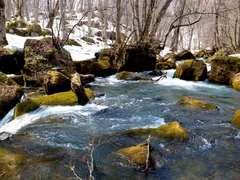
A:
191, 70
236, 119
64, 98
188, 101
168, 131
223, 69
10, 164
236, 82
138, 154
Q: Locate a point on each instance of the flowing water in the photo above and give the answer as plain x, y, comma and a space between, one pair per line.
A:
53, 138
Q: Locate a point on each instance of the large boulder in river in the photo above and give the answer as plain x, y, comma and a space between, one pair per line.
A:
42, 56
184, 55
236, 82
68, 98
138, 154
10, 94
136, 58
168, 131
191, 70
223, 69
55, 82
132, 76
188, 101
11, 62
89, 67
105, 61
236, 119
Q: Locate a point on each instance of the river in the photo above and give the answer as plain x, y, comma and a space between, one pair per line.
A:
55, 137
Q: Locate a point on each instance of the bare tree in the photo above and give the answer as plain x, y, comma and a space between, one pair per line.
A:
52, 13
3, 40
118, 22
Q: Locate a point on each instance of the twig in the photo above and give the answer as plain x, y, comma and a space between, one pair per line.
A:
2, 174
148, 153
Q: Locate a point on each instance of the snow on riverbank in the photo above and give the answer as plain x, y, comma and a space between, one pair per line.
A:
78, 53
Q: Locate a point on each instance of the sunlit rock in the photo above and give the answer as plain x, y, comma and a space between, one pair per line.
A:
236, 119
65, 98
168, 131
223, 69
188, 101
236, 82
138, 154
195, 70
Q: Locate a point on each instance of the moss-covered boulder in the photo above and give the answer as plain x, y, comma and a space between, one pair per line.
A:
64, 98
136, 58
195, 103
41, 56
88, 40
10, 164
220, 52
132, 76
184, 55
166, 62
195, 70
10, 94
88, 67
223, 69
168, 131
55, 82
138, 154
105, 61
236, 82
22, 28
205, 53
236, 119
11, 62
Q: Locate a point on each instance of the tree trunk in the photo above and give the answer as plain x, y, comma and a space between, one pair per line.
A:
158, 19
3, 40
52, 13
36, 7
118, 22
63, 19
8, 9
175, 39
238, 24
89, 17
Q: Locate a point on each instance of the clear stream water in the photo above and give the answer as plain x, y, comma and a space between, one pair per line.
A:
54, 137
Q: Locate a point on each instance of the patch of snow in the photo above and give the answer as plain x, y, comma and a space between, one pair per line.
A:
235, 55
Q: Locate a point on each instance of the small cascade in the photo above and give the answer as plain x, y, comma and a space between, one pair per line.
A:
7, 118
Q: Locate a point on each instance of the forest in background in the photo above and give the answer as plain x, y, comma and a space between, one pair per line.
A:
178, 24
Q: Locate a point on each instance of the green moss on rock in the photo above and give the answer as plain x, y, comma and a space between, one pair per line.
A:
64, 98
132, 76
236, 82
168, 131
236, 119
136, 154
188, 101
4, 80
